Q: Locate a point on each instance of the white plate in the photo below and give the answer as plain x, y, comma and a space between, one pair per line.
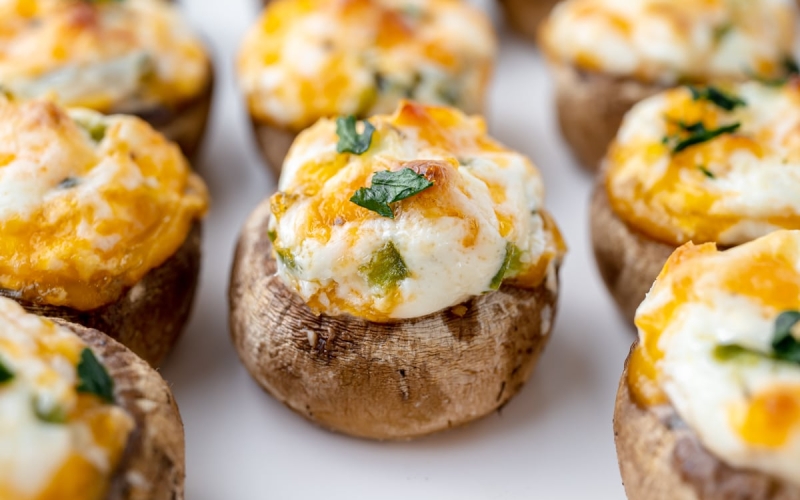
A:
552, 441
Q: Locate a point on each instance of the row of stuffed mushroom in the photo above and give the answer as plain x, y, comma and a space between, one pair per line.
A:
403, 279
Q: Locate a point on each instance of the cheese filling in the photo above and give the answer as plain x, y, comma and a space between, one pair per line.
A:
711, 346
311, 59
481, 222
669, 41
104, 55
718, 164
56, 442
89, 204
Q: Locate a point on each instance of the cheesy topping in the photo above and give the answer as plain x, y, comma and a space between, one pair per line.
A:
111, 56
56, 442
707, 332
667, 41
730, 188
88, 203
481, 222
311, 59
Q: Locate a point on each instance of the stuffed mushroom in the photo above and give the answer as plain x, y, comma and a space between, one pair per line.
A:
129, 56
82, 417
701, 164
99, 217
606, 55
404, 278
708, 407
303, 61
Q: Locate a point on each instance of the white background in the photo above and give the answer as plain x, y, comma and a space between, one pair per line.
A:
553, 441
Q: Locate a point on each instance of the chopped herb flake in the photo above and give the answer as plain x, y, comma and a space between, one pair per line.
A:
286, 257
93, 377
510, 264
350, 141
708, 173
721, 99
697, 134
68, 183
386, 268
5, 373
55, 414
786, 343
390, 187
272, 235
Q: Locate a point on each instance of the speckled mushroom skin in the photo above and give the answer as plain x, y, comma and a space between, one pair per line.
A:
628, 260
525, 16
590, 109
376, 380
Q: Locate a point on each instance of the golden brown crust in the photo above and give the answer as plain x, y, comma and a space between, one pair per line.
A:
590, 108
274, 143
525, 16
660, 458
628, 260
152, 467
382, 381
151, 315
185, 123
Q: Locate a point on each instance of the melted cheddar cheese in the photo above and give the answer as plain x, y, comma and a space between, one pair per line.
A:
667, 41
480, 223
88, 204
111, 56
729, 189
706, 334
56, 443
312, 59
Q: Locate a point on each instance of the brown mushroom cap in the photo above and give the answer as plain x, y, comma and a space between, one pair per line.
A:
590, 108
629, 261
525, 16
185, 122
152, 466
382, 380
274, 143
660, 458
150, 316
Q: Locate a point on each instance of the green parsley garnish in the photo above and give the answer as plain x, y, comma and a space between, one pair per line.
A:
5, 373
722, 31
390, 187
790, 66
286, 257
708, 173
784, 343
386, 268
350, 141
697, 135
726, 101
93, 377
510, 263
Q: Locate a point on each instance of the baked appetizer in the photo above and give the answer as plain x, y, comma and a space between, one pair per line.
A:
315, 59
125, 56
708, 407
404, 278
82, 417
702, 164
525, 16
606, 55
99, 217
